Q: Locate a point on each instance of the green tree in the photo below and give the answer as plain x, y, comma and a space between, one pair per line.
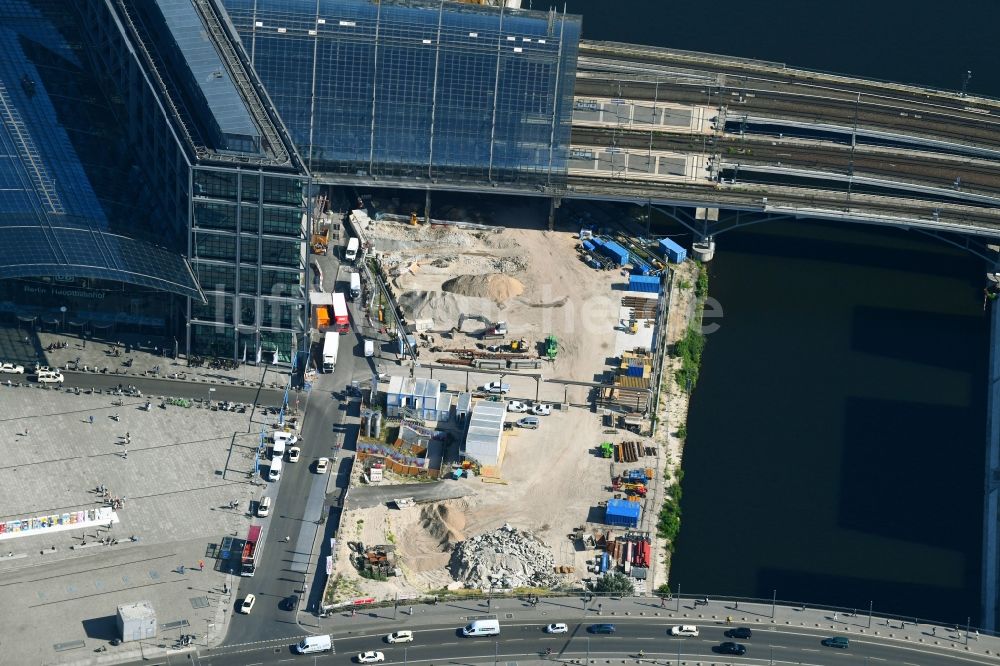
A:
615, 583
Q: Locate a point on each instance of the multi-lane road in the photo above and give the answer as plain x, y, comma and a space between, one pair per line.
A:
289, 579
523, 638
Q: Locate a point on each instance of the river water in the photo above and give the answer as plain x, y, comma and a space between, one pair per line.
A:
837, 433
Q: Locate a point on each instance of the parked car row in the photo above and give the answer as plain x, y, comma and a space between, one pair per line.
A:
538, 408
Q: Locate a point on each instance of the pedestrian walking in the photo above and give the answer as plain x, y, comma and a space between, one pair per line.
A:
181, 569
933, 631
26, 431
91, 419
287, 539
201, 565
834, 617
125, 455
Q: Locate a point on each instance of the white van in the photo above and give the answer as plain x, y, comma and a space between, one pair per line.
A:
355, 285
352, 250
274, 472
280, 439
264, 506
311, 644
50, 377
482, 628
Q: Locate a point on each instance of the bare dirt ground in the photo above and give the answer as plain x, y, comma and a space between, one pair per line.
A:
552, 479
558, 293
673, 407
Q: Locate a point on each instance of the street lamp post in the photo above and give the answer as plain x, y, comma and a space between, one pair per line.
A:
871, 605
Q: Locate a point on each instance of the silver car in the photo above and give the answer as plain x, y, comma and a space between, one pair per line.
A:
529, 422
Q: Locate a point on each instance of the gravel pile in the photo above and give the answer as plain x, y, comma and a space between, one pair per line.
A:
505, 558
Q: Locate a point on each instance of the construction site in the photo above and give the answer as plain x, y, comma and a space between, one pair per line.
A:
577, 307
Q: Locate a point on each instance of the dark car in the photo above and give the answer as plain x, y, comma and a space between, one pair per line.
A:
837, 642
739, 632
289, 603
601, 628
732, 648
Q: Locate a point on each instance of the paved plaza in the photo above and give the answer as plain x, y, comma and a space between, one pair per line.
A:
174, 473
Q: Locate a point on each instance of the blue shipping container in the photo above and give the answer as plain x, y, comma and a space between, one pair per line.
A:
649, 284
633, 371
672, 251
622, 513
588, 246
617, 252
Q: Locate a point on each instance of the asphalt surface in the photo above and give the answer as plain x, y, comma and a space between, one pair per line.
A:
281, 574
290, 576
522, 640
368, 496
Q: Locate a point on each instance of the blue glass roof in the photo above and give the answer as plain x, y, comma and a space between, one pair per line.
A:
415, 89
54, 204
207, 70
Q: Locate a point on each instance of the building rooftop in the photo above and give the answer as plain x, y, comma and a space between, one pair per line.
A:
485, 427
69, 205
210, 74
140, 610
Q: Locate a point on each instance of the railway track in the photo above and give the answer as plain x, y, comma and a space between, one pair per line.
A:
976, 176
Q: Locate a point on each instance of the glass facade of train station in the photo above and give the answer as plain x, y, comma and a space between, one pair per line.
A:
417, 91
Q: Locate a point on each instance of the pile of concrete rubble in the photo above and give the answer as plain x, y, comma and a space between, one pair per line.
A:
505, 558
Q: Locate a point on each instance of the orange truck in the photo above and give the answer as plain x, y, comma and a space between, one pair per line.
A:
322, 317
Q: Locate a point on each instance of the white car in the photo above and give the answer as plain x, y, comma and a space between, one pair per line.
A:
247, 604
10, 367
556, 628
400, 637
294, 453
517, 407
322, 464
370, 657
540, 409
684, 630
495, 387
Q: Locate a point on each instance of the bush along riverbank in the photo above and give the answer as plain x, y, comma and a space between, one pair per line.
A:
686, 344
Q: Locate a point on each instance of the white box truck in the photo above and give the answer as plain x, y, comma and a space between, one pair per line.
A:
331, 345
355, 285
352, 250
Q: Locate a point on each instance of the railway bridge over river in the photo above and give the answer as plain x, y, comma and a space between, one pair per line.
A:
677, 128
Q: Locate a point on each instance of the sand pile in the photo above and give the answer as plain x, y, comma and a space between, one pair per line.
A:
443, 524
498, 288
443, 308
